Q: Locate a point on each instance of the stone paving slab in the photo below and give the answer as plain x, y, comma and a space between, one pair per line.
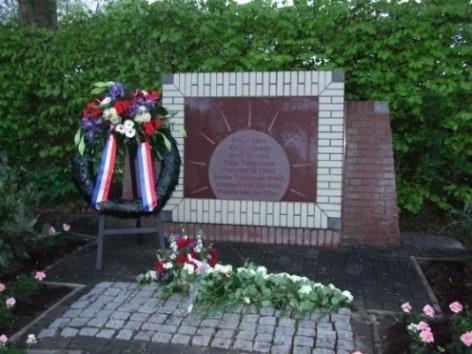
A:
127, 313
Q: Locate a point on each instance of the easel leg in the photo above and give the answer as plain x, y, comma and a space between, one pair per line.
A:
101, 228
139, 236
159, 232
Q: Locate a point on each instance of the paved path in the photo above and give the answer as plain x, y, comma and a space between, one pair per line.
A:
128, 312
112, 315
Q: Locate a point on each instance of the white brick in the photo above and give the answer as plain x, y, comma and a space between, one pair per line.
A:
330, 163
336, 157
337, 114
329, 192
329, 149
331, 106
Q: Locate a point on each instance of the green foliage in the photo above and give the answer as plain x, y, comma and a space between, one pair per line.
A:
415, 55
17, 220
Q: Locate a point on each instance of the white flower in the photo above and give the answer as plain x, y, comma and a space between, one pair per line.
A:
348, 295
109, 113
106, 101
142, 109
152, 274
188, 268
172, 256
128, 124
305, 289
262, 270
247, 300
120, 128
331, 286
130, 133
31, 339
223, 268
412, 327
295, 278
252, 272
143, 117
168, 265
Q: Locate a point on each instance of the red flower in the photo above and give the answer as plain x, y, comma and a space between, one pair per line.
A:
213, 253
154, 95
122, 107
195, 255
212, 262
91, 111
183, 242
148, 128
159, 266
181, 260
157, 124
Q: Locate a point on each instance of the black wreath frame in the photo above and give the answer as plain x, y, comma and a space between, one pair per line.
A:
84, 179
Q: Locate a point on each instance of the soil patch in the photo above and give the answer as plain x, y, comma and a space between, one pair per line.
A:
28, 308
41, 257
450, 280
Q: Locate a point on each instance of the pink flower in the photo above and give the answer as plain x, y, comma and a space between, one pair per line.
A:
428, 311
423, 326
357, 352
406, 307
3, 340
40, 276
426, 336
66, 227
52, 230
456, 307
2, 287
10, 302
466, 338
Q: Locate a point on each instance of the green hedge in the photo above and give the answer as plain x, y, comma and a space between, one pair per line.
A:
416, 56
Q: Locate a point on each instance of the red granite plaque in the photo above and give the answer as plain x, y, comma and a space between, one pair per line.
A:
251, 148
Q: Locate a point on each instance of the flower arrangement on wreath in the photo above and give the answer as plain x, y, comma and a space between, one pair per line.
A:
193, 268
129, 119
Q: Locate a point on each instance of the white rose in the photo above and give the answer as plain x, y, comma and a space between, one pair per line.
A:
152, 274
168, 265
109, 113
142, 109
305, 289
143, 118
348, 295
188, 268
172, 256
262, 269
31, 339
130, 133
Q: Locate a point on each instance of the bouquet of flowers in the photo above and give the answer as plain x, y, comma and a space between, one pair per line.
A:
188, 258
134, 115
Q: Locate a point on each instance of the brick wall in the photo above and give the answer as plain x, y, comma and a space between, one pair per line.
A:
370, 213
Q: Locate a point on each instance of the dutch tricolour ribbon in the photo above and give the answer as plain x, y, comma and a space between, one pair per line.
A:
106, 169
146, 177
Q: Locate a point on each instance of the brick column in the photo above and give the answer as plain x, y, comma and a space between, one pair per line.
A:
370, 213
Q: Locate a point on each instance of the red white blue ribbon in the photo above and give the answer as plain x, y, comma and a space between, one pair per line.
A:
145, 172
146, 177
105, 172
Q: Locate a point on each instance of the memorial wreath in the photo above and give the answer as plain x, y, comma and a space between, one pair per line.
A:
136, 122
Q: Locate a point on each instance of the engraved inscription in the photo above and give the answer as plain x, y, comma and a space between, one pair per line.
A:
249, 165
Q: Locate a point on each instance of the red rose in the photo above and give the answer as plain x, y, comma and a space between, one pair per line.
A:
213, 253
157, 124
91, 111
212, 262
181, 260
183, 242
152, 96
122, 107
159, 266
148, 128
195, 255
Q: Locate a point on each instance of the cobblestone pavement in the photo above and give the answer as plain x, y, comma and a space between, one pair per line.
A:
125, 312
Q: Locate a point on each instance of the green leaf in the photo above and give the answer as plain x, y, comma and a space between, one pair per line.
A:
167, 143
81, 146
78, 137
183, 131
